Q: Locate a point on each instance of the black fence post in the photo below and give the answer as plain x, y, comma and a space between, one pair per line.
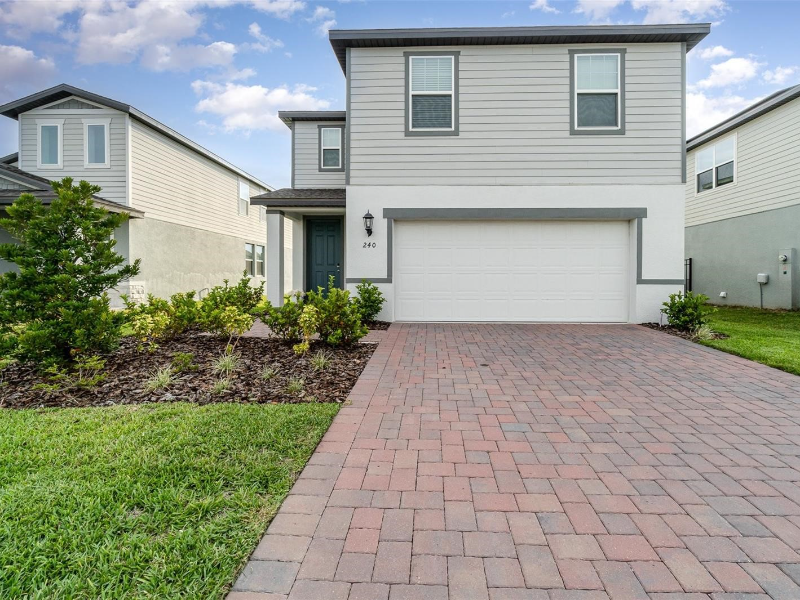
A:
687, 275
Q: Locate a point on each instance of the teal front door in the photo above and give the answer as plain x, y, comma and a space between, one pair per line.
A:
324, 250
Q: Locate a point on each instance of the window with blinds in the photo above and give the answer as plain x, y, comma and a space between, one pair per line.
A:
597, 91
331, 148
431, 92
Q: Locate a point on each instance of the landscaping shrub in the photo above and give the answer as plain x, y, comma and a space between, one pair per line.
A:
55, 309
161, 319
687, 312
369, 301
241, 296
309, 323
339, 318
284, 321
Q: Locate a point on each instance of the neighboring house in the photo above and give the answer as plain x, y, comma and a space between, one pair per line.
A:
192, 225
514, 174
743, 205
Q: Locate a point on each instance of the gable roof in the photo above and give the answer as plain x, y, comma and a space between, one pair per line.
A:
41, 188
761, 107
61, 91
342, 39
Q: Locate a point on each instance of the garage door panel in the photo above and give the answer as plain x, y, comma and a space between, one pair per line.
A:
511, 271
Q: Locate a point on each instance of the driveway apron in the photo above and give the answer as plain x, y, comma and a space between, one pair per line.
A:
545, 462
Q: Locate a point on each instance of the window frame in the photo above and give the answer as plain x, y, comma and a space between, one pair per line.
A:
251, 268
49, 123
320, 147
260, 271
262, 214
573, 91
241, 199
106, 123
715, 166
454, 93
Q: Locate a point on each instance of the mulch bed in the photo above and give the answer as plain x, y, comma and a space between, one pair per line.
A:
681, 334
128, 369
378, 325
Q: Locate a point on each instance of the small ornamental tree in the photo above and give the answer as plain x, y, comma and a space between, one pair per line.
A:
56, 305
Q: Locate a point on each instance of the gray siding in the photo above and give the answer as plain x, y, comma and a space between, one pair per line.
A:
306, 158
73, 104
767, 170
7, 184
515, 123
113, 180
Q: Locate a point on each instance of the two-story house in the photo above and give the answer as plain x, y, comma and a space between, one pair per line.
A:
494, 174
191, 221
743, 205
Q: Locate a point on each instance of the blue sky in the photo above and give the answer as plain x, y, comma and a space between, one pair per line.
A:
219, 70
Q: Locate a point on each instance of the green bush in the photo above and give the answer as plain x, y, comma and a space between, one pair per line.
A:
687, 312
55, 307
159, 319
284, 321
369, 301
242, 296
309, 323
339, 318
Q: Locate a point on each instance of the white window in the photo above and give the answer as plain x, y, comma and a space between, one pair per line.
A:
597, 102
249, 263
431, 93
262, 214
331, 148
715, 165
244, 198
260, 260
49, 142
96, 143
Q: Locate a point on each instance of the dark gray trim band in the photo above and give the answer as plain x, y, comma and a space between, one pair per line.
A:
506, 214
683, 112
421, 133
342, 129
347, 122
573, 126
639, 278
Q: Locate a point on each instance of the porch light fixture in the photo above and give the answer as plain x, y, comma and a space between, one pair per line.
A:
368, 219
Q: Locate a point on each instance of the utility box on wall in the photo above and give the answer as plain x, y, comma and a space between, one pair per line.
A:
787, 261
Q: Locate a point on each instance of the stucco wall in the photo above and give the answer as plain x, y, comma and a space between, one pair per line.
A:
662, 229
176, 258
727, 255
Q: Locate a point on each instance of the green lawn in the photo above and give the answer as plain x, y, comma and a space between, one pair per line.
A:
149, 501
766, 336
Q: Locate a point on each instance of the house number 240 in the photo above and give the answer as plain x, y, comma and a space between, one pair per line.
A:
369, 245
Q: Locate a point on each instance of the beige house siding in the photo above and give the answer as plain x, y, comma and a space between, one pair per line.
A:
767, 172
172, 183
514, 121
112, 180
306, 157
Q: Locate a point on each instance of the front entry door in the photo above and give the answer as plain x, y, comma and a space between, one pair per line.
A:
324, 251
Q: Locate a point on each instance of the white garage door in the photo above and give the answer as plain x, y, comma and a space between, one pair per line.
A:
511, 271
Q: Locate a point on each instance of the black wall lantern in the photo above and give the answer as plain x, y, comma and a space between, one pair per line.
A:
368, 218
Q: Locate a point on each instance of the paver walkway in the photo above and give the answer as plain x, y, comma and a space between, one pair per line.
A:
545, 462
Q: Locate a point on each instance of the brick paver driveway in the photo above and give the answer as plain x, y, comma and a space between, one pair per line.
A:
545, 462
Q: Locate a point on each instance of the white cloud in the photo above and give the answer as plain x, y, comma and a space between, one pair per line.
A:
187, 57
656, 11
779, 75
715, 52
703, 112
20, 68
597, 10
731, 72
283, 9
249, 108
543, 6
326, 19
20, 18
265, 43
